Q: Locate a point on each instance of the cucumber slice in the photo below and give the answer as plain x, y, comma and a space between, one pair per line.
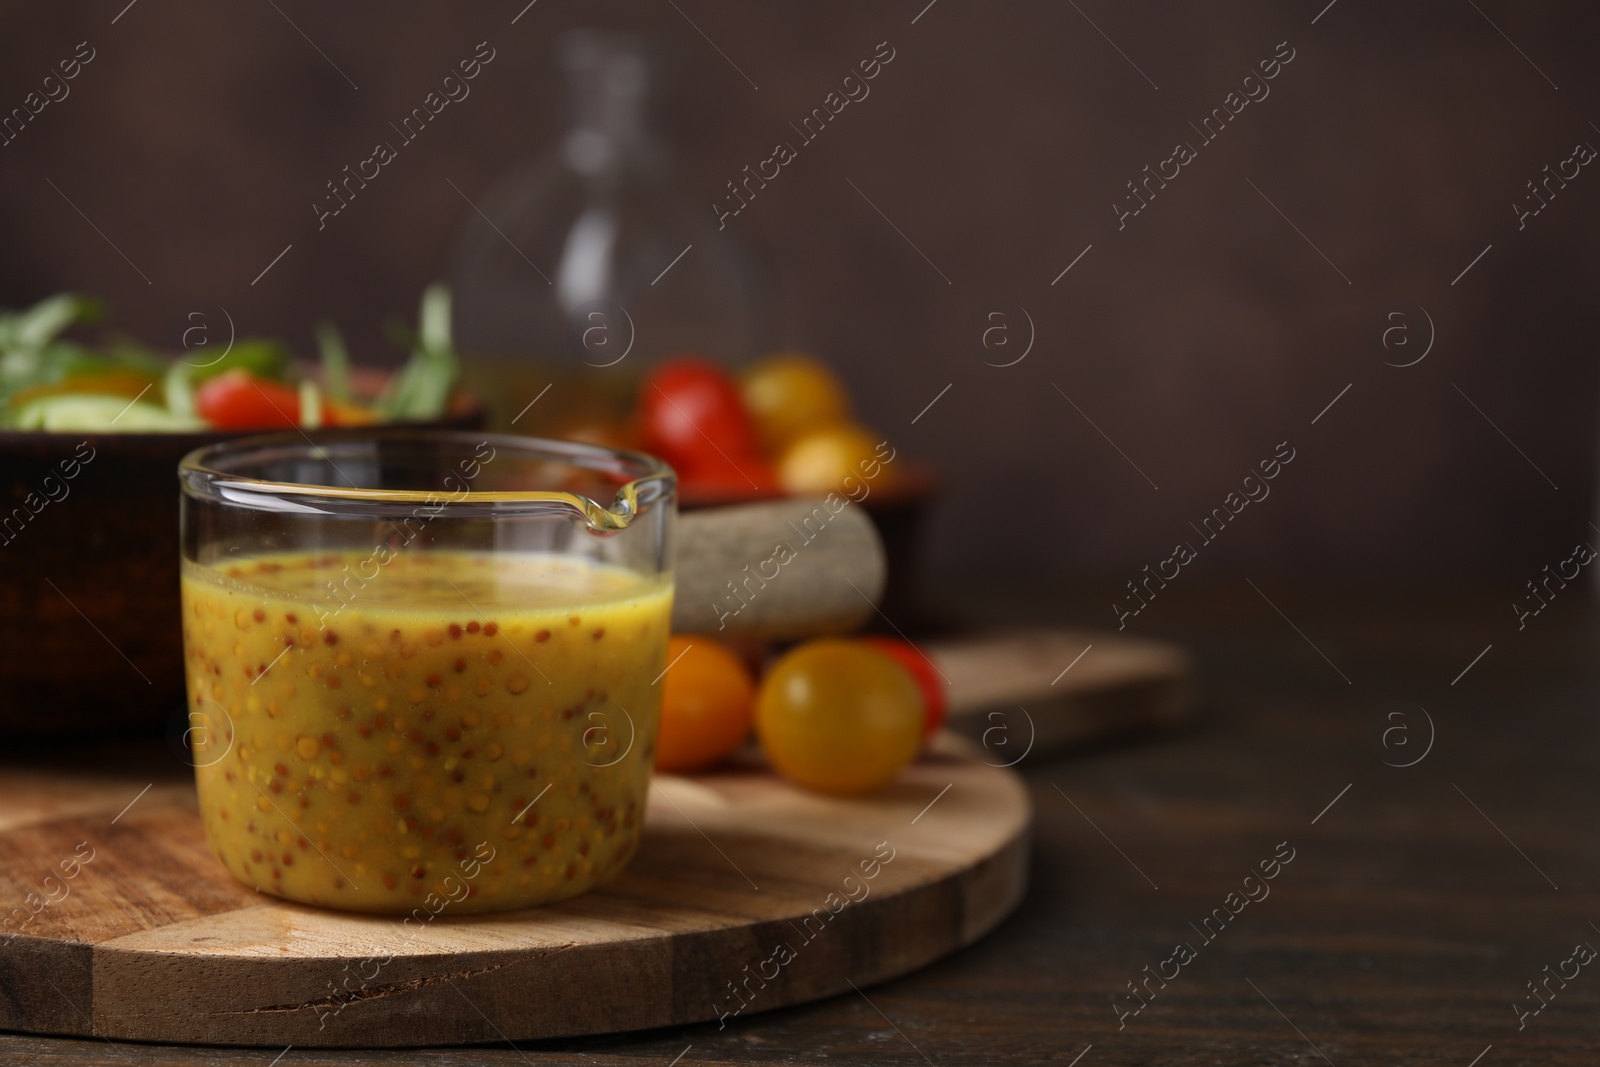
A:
101, 414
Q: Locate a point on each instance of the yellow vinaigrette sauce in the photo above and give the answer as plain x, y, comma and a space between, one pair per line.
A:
358, 741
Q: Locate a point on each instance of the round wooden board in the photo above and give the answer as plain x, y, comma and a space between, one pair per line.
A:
738, 901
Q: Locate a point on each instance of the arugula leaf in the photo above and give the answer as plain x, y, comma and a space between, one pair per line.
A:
335, 361
420, 389
31, 354
433, 319
36, 326
122, 350
261, 356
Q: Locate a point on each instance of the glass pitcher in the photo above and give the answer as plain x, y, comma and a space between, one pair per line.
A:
584, 267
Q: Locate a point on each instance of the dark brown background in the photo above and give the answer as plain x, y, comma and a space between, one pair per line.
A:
1197, 339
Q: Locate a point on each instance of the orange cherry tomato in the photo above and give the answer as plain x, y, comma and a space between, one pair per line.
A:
838, 717
238, 400
935, 705
705, 705
791, 394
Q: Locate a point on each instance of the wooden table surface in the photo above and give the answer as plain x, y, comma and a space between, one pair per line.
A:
1419, 902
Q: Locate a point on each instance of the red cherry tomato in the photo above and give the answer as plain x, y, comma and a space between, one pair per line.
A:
237, 400
692, 416
935, 704
729, 478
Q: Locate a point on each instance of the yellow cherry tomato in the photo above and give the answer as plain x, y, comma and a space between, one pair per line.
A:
820, 461
343, 413
705, 705
790, 394
838, 717
117, 381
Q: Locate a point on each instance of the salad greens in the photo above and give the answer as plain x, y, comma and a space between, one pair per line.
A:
53, 383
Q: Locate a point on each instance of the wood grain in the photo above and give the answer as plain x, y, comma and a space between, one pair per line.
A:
1401, 934
153, 940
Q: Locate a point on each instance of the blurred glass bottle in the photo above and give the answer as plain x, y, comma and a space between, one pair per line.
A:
592, 262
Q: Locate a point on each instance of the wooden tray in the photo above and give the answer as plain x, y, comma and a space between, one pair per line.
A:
735, 903
1043, 692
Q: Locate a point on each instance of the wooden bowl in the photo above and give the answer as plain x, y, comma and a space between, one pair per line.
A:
90, 638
